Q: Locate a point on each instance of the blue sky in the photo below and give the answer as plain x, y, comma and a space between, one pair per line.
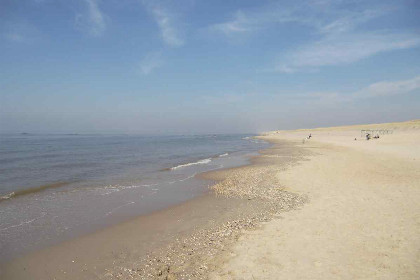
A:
182, 67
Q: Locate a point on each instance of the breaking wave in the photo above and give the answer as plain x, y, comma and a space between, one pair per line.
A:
33, 190
202, 161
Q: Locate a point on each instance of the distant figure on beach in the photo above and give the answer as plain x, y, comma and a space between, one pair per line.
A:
310, 135
355, 139
367, 136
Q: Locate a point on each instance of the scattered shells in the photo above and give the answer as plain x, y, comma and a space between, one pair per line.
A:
191, 257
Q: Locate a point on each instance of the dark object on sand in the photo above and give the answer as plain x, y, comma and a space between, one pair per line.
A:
355, 139
367, 136
376, 131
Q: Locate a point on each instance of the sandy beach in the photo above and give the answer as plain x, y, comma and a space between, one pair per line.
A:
329, 207
363, 218
209, 140
179, 242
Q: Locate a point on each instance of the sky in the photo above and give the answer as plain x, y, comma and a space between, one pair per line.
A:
195, 66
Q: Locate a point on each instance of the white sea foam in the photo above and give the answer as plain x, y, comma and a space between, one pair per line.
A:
7, 196
253, 139
189, 177
117, 188
116, 208
202, 161
24, 222
182, 180
224, 155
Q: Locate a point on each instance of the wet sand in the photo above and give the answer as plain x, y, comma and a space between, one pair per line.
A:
330, 207
178, 242
124, 245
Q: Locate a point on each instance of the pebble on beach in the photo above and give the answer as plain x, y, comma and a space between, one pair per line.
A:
190, 258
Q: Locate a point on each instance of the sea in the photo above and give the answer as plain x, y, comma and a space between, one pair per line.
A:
57, 187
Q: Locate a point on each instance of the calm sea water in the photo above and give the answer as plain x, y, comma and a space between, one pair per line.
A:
55, 187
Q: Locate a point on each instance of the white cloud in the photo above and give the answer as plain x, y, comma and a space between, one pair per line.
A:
386, 88
336, 24
323, 17
166, 23
244, 22
349, 20
150, 62
344, 49
375, 90
239, 24
93, 21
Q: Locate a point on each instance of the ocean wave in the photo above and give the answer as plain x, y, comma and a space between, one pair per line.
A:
24, 222
202, 161
253, 139
7, 196
187, 178
224, 155
118, 207
116, 188
182, 180
33, 190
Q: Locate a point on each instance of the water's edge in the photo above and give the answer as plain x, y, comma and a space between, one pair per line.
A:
201, 188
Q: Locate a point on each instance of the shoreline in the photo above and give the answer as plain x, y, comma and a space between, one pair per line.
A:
356, 202
88, 206
200, 217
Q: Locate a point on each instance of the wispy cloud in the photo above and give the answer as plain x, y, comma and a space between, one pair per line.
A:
150, 62
165, 20
93, 20
349, 20
324, 17
239, 24
344, 49
388, 88
245, 22
334, 24
375, 90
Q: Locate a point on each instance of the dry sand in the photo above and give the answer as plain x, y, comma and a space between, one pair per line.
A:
363, 218
326, 208
176, 243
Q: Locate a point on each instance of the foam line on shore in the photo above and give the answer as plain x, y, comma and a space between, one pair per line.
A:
202, 161
25, 222
117, 188
33, 190
118, 207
